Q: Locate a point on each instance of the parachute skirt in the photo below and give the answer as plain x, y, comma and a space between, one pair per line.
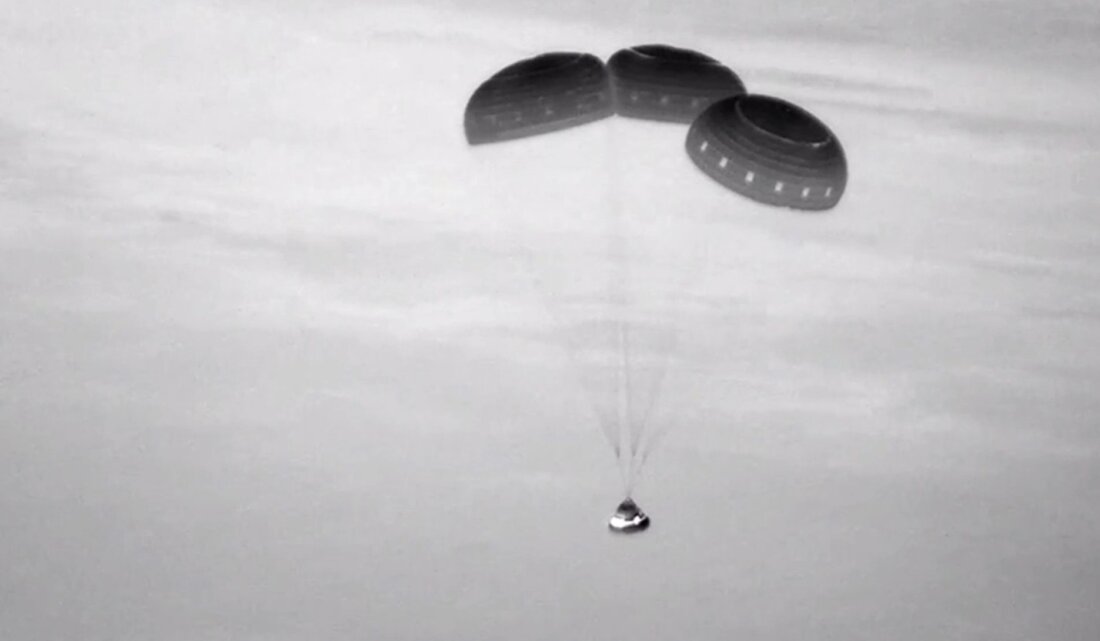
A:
771, 151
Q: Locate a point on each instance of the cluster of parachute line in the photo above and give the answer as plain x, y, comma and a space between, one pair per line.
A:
620, 334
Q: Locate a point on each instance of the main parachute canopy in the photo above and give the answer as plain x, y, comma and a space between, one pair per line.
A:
538, 95
761, 147
771, 151
661, 82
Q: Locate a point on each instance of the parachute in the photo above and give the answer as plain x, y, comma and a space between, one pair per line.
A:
613, 261
771, 151
539, 95
659, 82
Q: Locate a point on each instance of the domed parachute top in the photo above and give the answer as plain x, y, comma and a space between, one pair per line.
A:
661, 82
628, 517
771, 151
538, 95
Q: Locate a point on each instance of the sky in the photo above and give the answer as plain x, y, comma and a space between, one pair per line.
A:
281, 356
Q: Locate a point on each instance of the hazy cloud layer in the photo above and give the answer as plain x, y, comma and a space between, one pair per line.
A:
267, 323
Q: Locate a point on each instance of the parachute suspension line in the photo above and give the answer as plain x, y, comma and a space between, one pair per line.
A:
650, 436
618, 297
560, 328
608, 422
645, 444
661, 429
625, 393
558, 325
652, 429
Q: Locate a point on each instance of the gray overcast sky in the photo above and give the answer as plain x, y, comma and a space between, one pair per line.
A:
989, 28
273, 365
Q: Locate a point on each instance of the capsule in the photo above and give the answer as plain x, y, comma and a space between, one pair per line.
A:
628, 517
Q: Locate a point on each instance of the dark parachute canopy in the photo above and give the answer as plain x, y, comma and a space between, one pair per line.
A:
539, 95
771, 151
661, 82
761, 147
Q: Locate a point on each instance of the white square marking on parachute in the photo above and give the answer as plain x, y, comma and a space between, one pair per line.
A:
778, 186
828, 192
722, 163
805, 191
749, 176
703, 147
